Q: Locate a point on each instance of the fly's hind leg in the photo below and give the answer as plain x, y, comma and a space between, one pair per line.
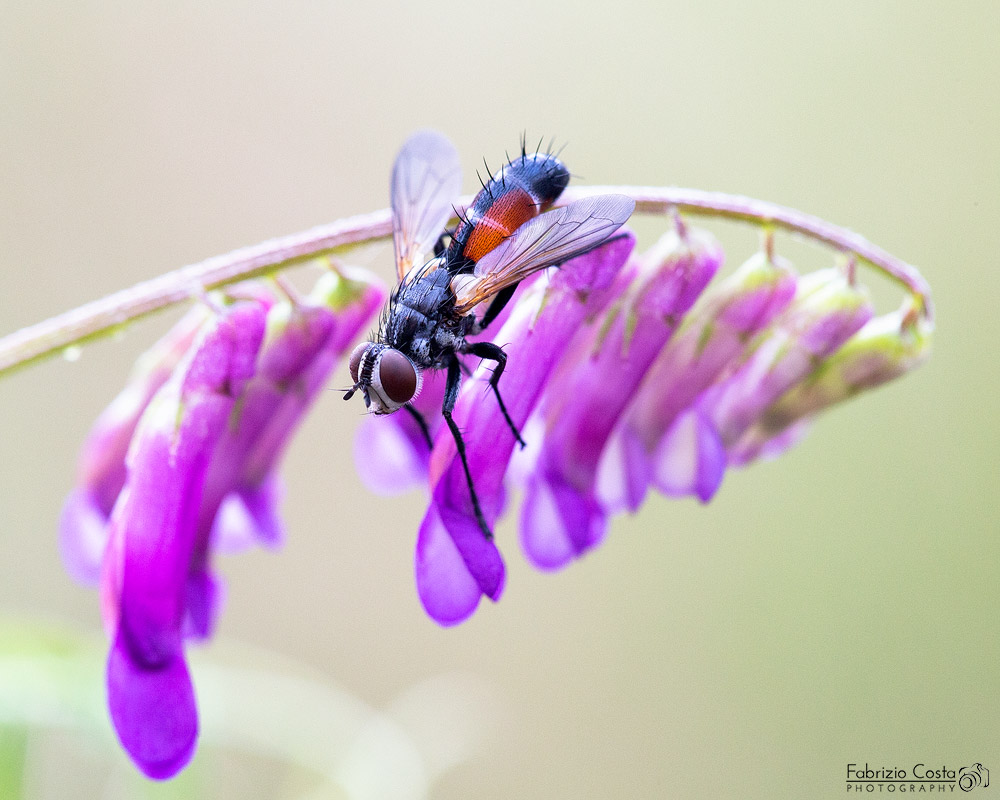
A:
493, 352
450, 397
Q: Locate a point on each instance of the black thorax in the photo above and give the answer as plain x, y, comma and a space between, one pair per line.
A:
420, 320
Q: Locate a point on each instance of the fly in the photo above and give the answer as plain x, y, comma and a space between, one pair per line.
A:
506, 235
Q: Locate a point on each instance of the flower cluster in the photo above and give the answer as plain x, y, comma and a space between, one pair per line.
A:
183, 463
627, 372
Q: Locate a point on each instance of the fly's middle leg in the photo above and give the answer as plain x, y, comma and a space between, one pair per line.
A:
450, 397
493, 352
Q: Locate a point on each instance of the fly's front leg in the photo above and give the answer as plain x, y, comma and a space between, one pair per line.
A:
493, 352
450, 397
422, 423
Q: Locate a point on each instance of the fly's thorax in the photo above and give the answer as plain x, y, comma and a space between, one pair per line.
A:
417, 307
420, 321
387, 378
427, 291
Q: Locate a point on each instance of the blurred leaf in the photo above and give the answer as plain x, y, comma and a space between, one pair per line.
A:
13, 746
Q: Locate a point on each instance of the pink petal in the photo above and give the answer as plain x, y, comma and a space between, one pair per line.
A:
249, 517
624, 473
447, 590
690, 459
82, 536
389, 461
558, 523
205, 592
153, 711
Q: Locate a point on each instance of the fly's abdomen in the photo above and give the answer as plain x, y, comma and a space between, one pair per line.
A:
522, 190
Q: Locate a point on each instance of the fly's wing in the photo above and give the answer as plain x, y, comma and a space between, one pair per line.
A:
551, 238
426, 180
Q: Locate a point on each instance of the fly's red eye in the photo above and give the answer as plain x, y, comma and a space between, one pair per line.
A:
356, 356
397, 376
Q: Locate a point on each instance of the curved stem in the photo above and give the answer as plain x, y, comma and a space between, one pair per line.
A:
103, 316
657, 200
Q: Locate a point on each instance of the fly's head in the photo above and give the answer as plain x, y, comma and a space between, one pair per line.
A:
387, 378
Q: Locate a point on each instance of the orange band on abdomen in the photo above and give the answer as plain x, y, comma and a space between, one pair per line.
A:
504, 216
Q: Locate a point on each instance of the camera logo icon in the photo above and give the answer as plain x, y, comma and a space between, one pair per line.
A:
971, 777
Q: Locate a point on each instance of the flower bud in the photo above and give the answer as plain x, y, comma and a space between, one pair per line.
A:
561, 517
885, 348
712, 338
304, 342
826, 312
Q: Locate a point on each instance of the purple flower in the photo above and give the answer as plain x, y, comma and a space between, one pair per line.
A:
455, 563
101, 468
692, 455
561, 517
887, 347
153, 531
199, 476
711, 340
626, 373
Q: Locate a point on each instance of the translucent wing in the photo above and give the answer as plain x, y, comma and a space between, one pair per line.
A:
426, 180
552, 238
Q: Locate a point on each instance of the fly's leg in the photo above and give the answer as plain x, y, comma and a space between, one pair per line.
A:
492, 352
497, 305
440, 246
450, 397
423, 425
501, 298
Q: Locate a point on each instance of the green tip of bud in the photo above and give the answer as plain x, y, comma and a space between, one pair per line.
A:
833, 289
885, 348
342, 287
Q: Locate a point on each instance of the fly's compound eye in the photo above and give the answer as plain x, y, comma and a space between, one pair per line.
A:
397, 377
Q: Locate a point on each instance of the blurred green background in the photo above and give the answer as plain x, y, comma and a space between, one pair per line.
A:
838, 605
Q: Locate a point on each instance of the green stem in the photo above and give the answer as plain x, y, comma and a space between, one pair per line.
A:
101, 317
